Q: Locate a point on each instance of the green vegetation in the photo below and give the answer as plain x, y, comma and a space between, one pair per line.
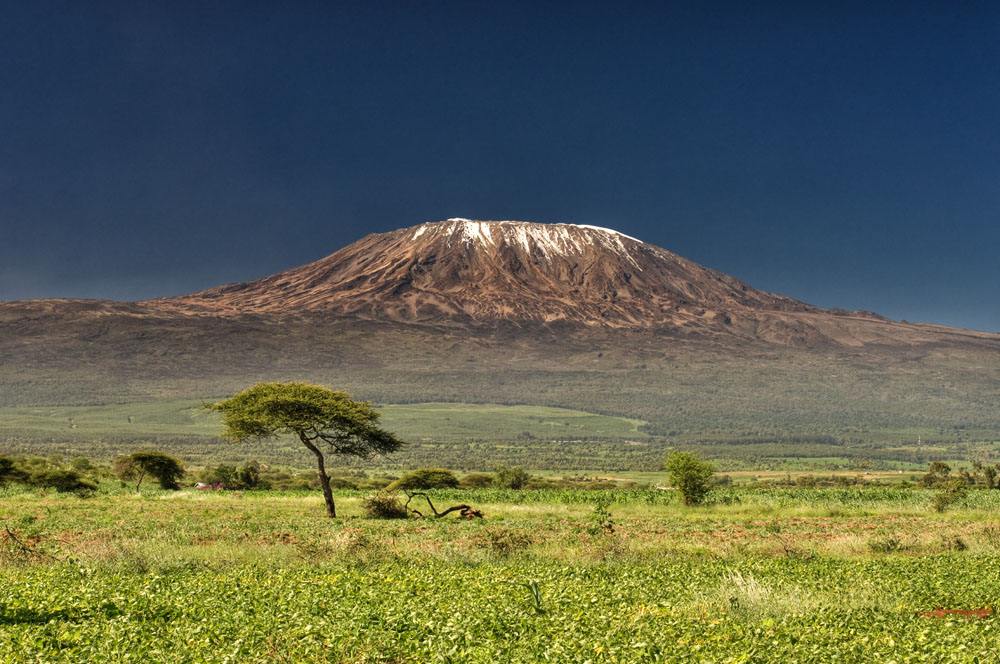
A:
754, 574
425, 421
233, 478
426, 478
507, 477
39, 473
689, 475
63, 481
467, 437
134, 467
9, 471
324, 421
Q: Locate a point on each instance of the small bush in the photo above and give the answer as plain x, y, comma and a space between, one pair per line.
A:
511, 478
601, 522
888, 544
953, 543
938, 474
477, 480
385, 506
340, 482
81, 464
948, 494
504, 541
247, 477
222, 475
690, 475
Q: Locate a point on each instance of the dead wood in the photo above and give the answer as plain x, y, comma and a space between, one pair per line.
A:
464, 511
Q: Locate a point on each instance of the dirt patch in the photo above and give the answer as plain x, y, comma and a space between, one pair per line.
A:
984, 612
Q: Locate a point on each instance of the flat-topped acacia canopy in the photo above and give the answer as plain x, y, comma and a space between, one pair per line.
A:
321, 418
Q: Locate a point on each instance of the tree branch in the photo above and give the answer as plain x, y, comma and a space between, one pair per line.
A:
24, 548
465, 511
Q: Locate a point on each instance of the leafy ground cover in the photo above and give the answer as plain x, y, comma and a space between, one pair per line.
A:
779, 574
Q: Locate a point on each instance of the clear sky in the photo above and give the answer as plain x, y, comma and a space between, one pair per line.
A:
847, 155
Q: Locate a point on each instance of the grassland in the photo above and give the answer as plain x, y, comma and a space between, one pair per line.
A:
466, 436
418, 422
758, 575
459, 435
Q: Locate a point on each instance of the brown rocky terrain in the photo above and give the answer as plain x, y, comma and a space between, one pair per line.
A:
476, 273
497, 270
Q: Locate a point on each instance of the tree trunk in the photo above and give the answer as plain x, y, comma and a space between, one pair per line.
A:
324, 479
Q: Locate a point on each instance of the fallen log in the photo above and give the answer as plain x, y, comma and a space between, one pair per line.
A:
464, 511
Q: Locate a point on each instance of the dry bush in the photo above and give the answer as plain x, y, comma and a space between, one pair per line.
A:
385, 506
503, 541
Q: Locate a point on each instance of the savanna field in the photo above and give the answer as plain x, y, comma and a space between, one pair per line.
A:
499, 333
756, 574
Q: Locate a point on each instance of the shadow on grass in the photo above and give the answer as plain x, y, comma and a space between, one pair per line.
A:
9, 616
32, 617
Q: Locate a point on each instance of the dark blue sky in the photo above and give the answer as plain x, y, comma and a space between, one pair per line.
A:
846, 155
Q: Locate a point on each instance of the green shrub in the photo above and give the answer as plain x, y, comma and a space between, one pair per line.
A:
477, 480
223, 475
938, 474
511, 477
247, 477
948, 493
888, 544
953, 543
601, 522
690, 475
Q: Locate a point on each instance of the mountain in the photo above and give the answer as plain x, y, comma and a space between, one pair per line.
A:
515, 312
484, 273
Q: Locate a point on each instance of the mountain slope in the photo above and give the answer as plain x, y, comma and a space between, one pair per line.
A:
481, 271
497, 270
476, 273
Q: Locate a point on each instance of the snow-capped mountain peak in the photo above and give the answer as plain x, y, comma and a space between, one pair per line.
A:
480, 271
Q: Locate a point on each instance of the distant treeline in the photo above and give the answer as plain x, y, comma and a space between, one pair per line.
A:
816, 453
82, 475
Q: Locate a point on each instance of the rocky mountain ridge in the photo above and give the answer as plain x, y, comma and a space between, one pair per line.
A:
463, 272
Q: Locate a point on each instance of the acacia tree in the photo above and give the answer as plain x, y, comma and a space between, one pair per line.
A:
324, 420
166, 469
